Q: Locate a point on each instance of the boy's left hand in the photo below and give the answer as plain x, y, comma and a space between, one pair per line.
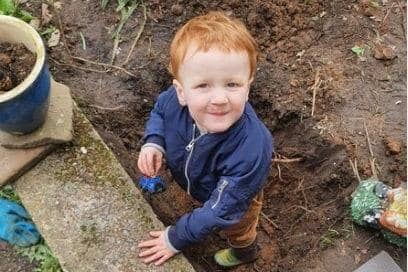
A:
156, 249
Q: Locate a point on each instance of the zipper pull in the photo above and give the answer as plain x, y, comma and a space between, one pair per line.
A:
223, 185
191, 144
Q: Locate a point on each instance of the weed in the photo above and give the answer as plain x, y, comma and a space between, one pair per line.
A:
328, 239
8, 192
42, 254
11, 7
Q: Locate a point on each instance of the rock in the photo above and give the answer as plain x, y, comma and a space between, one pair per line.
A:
384, 52
177, 9
294, 83
393, 145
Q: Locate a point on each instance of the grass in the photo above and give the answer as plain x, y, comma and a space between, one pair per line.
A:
330, 237
126, 9
40, 252
12, 8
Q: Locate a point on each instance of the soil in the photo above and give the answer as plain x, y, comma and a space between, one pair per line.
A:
11, 261
305, 48
16, 62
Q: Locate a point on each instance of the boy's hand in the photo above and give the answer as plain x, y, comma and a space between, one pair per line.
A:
150, 161
155, 249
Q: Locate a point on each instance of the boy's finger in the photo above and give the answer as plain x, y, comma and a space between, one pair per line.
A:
153, 257
148, 252
148, 243
155, 233
145, 167
157, 163
162, 260
149, 164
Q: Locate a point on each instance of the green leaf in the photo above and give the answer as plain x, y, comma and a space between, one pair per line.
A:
7, 7
359, 51
24, 15
104, 3
121, 4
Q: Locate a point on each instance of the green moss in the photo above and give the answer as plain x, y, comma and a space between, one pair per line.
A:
88, 159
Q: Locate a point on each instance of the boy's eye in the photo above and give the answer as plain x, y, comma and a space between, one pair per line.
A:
232, 85
201, 86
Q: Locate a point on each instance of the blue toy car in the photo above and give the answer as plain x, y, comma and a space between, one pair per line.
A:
152, 185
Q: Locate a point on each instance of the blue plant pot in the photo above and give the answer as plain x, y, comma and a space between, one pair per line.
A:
24, 108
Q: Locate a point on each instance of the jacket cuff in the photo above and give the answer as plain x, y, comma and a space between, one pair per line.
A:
156, 140
158, 147
167, 240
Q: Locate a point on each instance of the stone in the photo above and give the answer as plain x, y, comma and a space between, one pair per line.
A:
15, 162
177, 9
57, 127
380, 263
393, 145
88, 209
384, 52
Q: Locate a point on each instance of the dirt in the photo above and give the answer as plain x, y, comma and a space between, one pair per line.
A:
11, 261
305, 48
16, 62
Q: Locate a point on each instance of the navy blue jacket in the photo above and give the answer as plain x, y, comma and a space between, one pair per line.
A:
224, 171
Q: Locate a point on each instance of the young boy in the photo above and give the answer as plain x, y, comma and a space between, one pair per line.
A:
214, 144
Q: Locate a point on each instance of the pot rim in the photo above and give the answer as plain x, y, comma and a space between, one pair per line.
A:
40, 56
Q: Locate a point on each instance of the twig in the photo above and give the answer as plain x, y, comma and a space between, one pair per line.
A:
78, 67
209, 265
305, 209
62, 30
106, 108
287, 160
137, 36
372, 159
279, 172
105, 65
355, 169
315, 86
269, 220
369, 239
403, 20
387, 14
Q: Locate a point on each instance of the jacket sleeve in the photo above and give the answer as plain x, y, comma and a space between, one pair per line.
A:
227, 203
154, 132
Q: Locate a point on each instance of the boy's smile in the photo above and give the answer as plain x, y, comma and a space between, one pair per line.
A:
214, 85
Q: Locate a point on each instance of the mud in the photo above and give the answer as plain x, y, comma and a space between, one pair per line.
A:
16, 62
305, 49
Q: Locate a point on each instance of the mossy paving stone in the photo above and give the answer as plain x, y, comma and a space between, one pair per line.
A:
88, 209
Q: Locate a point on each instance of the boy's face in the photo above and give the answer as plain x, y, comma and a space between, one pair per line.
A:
214, 85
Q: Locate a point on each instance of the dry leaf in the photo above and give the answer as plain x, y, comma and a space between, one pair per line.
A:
46, 16
54, 39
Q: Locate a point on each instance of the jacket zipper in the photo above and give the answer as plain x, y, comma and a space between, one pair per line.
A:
190, 148
220, 191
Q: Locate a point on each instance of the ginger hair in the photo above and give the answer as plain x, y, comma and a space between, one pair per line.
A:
213, 30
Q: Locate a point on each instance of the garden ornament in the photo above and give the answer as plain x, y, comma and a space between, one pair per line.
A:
379, 206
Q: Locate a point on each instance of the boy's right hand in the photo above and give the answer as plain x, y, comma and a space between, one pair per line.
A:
150, 161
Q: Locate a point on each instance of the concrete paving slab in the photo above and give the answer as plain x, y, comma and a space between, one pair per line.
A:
380, 263
57, 127
88, 209
15, 162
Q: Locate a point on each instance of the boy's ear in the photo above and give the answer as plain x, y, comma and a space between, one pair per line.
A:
180, 92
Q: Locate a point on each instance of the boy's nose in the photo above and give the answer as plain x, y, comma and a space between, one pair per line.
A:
219, 97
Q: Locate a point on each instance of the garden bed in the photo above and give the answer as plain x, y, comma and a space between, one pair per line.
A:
305, 52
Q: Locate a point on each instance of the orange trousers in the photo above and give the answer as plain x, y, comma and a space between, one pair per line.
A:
243, 233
